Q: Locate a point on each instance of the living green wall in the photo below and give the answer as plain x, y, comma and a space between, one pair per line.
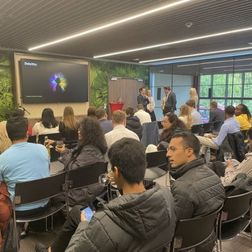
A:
6, 94
101, 72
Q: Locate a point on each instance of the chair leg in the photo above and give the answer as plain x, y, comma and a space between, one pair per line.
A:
46, 227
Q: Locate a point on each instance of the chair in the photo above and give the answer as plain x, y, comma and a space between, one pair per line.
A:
217, 126
54, 136
236, 142
36, 190
197, 129
150, 134
235, 216
157, 165
86, 175
207, 127
190, 233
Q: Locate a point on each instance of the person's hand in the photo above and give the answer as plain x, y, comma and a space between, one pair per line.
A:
49, 142
82, 217
61, 148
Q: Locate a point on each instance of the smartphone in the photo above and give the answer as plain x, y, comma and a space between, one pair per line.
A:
88, 212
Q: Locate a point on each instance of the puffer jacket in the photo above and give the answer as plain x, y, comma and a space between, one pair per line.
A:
88, 155
134, 222
197, 190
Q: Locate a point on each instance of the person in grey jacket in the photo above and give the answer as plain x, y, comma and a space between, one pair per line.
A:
91, 149
197, 190
140, 220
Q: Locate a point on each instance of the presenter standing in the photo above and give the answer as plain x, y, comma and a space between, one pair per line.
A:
169, 101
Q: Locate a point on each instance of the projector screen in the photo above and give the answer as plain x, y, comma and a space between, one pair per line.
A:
53, 82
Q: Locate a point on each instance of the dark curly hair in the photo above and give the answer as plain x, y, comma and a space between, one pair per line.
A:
91, 134
177, 125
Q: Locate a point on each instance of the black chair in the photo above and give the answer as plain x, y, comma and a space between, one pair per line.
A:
150, 133
236, 142
217, 126
235, 216
190, 233
54, 136
207, 127
197, 129
157, 165
86, 175
36, 190
32, 139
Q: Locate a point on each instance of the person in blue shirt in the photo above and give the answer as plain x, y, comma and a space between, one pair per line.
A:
229, 126
23, 161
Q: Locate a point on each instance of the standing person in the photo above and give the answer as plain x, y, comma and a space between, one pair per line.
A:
139, 220
151, 106
243, 116
142, 98
193, 95
47, 125
68, 127
169, 101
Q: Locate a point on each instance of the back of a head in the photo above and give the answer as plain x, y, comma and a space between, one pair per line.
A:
91, 111
189, 141
17, 128
118, 117
184, 110
69, 118
140, 107
191, 103
48, 119
230, 111
100, 113
128, 155
129, 111
213, 104
17, 112
245, 110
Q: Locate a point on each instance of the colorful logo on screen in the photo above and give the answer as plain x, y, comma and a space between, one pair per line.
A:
58, 81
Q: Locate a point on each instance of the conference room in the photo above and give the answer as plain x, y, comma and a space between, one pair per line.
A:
90, 55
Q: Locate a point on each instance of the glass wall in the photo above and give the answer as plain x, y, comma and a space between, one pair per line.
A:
227, 81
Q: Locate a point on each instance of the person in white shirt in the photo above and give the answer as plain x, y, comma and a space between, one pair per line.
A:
119, 130
196, 117
143, 116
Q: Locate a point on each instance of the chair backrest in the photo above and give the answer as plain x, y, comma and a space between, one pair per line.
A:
197, 129
236, 206
208, 127
86, 175
32, 139
236, 142
192, 232
39, 189
150, 134
217, 125
54, 136
157, 159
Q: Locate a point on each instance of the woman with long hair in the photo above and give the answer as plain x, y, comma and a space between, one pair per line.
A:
68, 127
91, 149
185, 116
243, 116
193, 95
171, 125
47, 125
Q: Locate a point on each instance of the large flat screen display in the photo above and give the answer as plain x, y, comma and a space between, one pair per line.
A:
53, 82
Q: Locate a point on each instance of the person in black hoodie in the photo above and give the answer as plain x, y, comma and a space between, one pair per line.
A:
133, 122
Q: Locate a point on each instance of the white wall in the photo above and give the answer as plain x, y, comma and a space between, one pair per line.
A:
181, 86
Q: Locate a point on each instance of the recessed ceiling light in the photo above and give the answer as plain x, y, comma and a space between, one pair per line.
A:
197, 54
120, 21
166, 44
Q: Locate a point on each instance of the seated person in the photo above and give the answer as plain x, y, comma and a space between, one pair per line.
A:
68, 127
229, 126
91, 149
139, 220
243, 116
171, 125
143, 116
185, 116
102, 118
196, 116
23, 162
133, 122
47, 125
197, 190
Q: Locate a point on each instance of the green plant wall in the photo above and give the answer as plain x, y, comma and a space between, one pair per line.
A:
6, 95
101, 72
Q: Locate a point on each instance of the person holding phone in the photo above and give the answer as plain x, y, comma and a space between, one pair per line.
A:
139, 220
